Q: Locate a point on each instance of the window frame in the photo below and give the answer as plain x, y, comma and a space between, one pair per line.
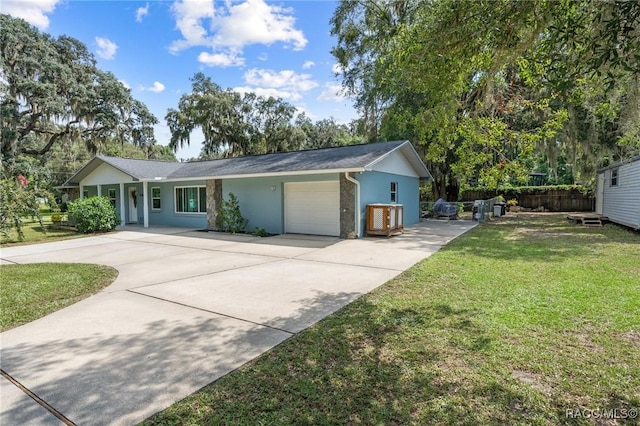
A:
615, 176
112, 199
199, 192
393, 192
159, 198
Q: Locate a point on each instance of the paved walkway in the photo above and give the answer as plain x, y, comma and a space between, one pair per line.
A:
187, 308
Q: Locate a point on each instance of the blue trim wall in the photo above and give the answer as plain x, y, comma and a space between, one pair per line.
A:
166, 215
375, 187
262, 199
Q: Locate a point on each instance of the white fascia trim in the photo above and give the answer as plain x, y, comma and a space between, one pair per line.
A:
416, 160
260, 175
369, 167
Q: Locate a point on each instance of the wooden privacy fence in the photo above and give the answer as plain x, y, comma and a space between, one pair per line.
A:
552, 200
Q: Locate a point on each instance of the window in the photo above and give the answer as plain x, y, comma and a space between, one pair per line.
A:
191, 199
85, 193
614, 177
155, 198
394, 192
111, 193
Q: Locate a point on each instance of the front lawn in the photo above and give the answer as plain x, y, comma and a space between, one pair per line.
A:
31, 291
33, 232
529, 320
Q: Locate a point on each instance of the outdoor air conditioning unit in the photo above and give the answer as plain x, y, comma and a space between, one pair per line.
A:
385, 219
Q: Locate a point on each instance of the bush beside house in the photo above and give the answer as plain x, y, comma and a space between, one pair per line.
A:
94, 214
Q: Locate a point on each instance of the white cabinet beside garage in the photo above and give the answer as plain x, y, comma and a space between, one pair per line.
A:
312, 208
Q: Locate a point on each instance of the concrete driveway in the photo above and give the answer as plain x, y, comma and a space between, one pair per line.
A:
187, 308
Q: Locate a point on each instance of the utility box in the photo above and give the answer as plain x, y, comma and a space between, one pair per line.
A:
479, 207
385, 219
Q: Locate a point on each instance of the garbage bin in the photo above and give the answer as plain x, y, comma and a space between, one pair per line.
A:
497, 210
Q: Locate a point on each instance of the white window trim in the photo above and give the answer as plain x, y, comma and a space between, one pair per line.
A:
175, 200
617, 170
114, 199
153, 198
393, 195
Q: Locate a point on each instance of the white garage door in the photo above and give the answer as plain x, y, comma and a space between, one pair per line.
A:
312, 208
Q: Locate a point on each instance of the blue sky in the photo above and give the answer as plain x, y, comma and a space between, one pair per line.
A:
272, 48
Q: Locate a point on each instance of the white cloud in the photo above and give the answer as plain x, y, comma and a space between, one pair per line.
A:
228, 29
255, 22
269, 91
223, 60
308, 64
337, 68
157, 87
106, 48
189, 15
285, 84
125, 84
332, 93
280, 79
141, 12
33, 11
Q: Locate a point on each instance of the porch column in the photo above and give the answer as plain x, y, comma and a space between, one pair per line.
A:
122, 211
145, 203
99, 190
81, 195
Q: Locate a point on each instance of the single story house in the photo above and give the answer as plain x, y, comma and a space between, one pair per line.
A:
618, 192
321, 191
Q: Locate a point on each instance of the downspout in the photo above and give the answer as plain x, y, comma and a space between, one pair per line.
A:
357, 215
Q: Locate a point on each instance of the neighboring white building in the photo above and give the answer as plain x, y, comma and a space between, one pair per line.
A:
618, 192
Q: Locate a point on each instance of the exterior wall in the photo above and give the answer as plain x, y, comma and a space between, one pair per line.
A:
92, 191
167, 215
105, 193
621, 203
262, 199
375, 188
395, 163
105, 174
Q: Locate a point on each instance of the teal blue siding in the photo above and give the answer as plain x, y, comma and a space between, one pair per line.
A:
375, 187
262, 199
105, 193
167, 215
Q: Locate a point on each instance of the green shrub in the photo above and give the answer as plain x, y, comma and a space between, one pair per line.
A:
228, 216
93, 214
259, 232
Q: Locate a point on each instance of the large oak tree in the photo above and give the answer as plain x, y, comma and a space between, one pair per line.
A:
483, 85
52, 90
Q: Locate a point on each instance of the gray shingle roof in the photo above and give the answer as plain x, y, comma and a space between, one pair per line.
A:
346, 158
337, 158
143, 169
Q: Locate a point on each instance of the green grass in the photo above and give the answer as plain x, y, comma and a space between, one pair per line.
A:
31, 291
33, 232
515, 322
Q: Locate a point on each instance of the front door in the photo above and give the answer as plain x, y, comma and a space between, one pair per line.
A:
133, 205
